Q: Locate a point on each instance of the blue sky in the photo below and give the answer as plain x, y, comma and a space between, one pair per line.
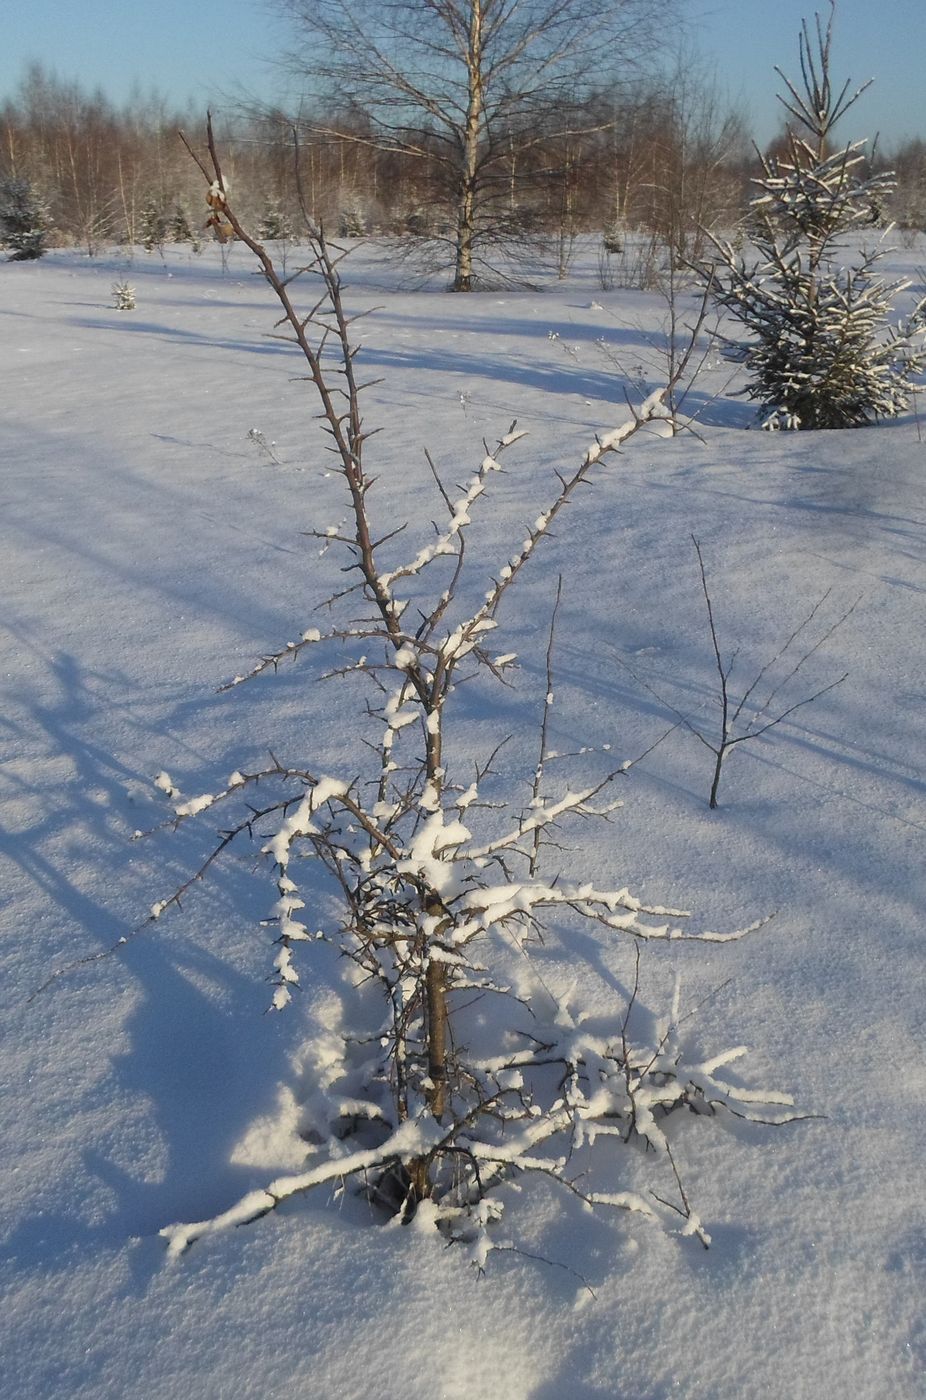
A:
880, 39
198, 51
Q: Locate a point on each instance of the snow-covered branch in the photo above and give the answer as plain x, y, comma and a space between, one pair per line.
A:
403, 867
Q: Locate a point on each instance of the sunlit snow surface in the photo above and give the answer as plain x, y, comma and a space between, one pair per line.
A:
149, 552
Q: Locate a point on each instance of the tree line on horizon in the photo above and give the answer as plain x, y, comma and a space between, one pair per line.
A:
662, 158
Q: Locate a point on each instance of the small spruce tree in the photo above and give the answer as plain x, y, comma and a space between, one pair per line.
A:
274, 225
822, 353
352, 221
153, 225
123, 296
24, 221
179, 226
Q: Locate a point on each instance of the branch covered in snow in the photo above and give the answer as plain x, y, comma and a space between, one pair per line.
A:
435, 1103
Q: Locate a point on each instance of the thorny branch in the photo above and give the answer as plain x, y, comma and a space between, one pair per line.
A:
417, 904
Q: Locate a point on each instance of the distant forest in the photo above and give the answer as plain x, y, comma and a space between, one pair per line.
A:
664, 160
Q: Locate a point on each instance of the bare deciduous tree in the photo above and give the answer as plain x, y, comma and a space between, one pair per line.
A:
460, 83
740, 721
428, 911
459, 1067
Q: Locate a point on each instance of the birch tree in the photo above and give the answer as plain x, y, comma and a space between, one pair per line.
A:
460, 83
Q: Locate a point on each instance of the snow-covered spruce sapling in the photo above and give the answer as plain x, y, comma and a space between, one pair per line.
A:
154, 225
123, 296
179, 227
822, 350
274, 225
459, 1070
24, 219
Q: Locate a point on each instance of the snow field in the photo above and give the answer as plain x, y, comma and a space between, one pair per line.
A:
151, 550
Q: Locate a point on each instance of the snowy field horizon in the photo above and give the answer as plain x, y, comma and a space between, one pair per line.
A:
164, 467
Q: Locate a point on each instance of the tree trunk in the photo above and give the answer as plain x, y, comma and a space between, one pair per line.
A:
466, 201
436, 983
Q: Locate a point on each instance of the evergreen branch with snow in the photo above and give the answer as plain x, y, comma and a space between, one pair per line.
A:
822, 349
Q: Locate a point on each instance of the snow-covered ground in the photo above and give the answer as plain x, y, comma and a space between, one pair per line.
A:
152, 548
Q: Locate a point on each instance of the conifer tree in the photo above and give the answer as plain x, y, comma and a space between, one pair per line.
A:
179, 226
822, 352
154, 224
24, 220
274, 224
